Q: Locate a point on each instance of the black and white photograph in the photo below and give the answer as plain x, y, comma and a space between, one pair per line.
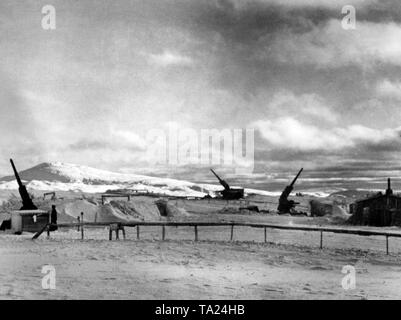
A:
200, 150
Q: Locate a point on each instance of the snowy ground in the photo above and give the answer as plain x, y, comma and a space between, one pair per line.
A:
289, 266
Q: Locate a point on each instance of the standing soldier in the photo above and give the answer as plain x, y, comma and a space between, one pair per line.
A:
53, 219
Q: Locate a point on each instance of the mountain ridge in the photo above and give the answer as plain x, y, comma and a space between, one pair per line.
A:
32, 174
60, 176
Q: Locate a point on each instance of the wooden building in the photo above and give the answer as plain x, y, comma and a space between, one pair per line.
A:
382, 209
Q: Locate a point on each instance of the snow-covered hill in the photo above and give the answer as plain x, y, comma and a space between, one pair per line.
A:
58, 176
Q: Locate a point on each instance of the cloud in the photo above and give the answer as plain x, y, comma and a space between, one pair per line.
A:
389, 89
289, 133
168, 58
330, 4
307, 106
88, 94
115, 140
330, 46
129, 139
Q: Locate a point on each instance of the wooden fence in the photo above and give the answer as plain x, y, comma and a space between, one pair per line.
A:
116, 226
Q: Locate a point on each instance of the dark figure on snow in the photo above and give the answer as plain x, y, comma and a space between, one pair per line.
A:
53, 218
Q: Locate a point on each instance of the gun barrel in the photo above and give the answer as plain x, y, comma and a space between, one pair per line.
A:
296, 177
16, 173
27, 203
215, 174
222, 182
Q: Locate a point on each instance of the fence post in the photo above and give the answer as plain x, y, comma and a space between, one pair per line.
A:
123, 231
232, 232
82, 226
386, 244
321, 239
137, 232
196, 233
163, 233
79, 221
265, 235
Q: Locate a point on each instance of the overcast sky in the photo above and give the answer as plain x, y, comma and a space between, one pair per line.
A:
317, 95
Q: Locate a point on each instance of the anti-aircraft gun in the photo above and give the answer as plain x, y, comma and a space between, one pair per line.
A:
29, 218
27, 203
285, 205
229, 193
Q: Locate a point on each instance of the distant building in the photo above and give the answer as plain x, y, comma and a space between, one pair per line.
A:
379, 210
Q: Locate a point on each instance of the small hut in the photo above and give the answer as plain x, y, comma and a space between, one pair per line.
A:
29, 220
379, 210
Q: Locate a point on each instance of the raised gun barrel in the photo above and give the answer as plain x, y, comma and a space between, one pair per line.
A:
16, 173
296, 177
27, 203
286, 205
222, 182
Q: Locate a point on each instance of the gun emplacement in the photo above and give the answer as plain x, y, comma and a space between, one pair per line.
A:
286, 205
229, 193
27, 203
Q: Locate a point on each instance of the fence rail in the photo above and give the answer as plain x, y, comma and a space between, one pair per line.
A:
116, 226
